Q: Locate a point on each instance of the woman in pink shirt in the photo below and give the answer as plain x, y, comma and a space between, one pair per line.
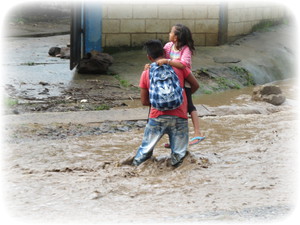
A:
178, 53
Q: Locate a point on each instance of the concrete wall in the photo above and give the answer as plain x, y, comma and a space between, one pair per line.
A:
133, 24
242, 16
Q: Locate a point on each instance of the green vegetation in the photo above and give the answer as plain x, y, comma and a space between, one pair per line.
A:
225, 83
207, 92
205, 89
123, 83
28, 64
264, 25
250, 80
224, 78
202, 70
244, 74
9, 102
102, 107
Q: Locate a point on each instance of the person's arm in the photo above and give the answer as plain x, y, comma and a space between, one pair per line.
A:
193, 82
145, 97
185, 60
186, 57
147, 66
174, 63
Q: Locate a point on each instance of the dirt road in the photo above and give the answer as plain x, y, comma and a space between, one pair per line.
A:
243, 171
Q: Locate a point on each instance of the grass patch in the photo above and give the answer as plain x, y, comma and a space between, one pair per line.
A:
102, 107
264, 25
28, 64
207, 92
123, 83
225, 83
9, 102
244, 74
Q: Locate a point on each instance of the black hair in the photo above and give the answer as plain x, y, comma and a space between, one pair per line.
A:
184, 37
154, 48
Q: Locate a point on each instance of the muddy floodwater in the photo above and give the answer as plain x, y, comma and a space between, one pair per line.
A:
245, 170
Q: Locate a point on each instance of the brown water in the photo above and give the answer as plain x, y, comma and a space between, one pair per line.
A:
243, 171
234, 96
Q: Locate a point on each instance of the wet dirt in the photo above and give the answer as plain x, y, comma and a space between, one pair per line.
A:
40, 83
243, 171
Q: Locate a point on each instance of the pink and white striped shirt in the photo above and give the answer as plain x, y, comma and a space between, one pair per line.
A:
184, 55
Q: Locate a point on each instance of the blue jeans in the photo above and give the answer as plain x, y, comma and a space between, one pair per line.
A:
177, 130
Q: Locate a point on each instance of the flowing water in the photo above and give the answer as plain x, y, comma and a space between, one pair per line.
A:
243, 171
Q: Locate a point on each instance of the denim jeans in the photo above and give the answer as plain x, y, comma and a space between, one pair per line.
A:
177, 130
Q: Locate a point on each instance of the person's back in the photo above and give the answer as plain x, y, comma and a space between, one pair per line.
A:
171, 122
181, 111
165, 92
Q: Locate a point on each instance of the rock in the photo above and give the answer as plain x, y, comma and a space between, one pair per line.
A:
95, 62
95, 195
15, 111
141, 123
44, 92
270, 89
226, 60
274, 99
63, 52
54, 51
43, 83
268, 93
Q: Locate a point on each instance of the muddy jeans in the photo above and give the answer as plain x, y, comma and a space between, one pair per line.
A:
175, 127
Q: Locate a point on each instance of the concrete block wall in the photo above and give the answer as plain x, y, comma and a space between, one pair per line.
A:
242, 16
133, 24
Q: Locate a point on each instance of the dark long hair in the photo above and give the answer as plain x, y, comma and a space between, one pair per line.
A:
184, 37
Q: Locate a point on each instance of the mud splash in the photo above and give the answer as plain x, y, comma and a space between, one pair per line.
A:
243, 171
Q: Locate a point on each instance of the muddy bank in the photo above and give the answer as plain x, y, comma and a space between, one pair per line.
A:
34, 132
64, 125
82, 95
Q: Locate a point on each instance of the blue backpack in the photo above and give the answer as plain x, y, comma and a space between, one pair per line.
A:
165, 92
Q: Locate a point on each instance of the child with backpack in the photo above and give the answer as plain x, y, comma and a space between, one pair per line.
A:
178, 53
162, 88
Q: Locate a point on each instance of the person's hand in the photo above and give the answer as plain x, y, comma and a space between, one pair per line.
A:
162, 61
147, 66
